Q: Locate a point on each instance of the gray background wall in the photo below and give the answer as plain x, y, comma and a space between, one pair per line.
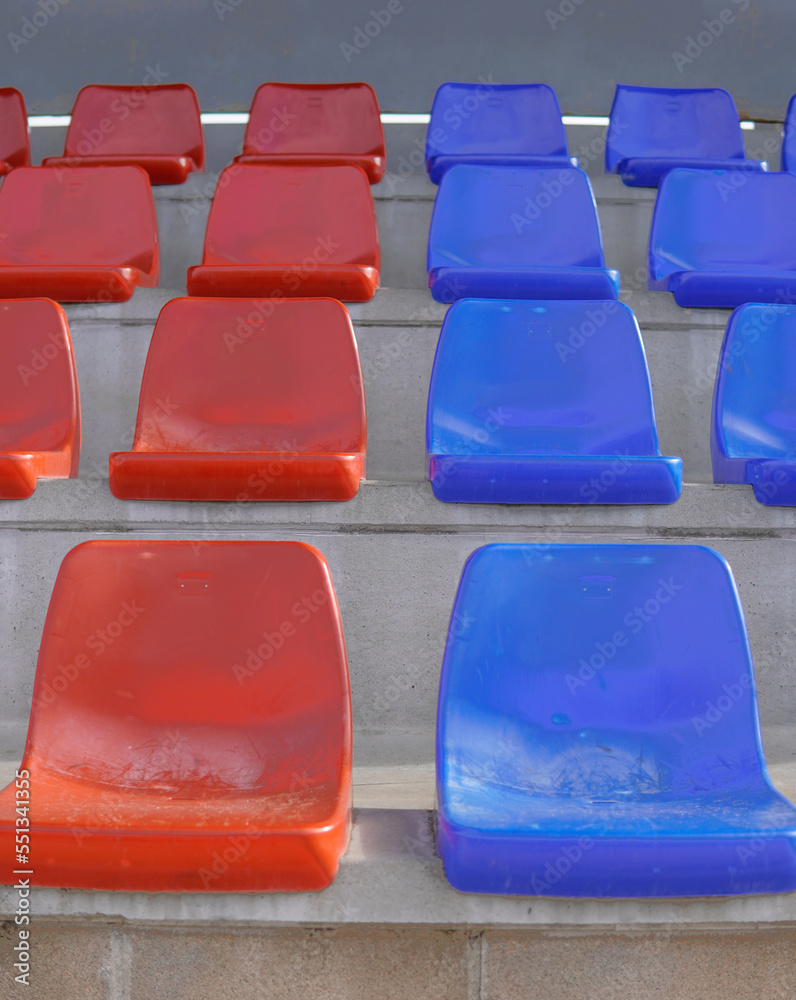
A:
225, 48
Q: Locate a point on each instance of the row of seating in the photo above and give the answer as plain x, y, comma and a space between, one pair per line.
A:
159, 128
529, 402
651, 131
78, 234
718, 238
597, 729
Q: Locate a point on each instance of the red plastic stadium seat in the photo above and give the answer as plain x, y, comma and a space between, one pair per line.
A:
290, 231
157, 128
191, 721
246, 399
316, 124
39, 397
78, 234
14, 140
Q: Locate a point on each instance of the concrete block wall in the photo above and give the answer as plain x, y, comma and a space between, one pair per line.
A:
390, 925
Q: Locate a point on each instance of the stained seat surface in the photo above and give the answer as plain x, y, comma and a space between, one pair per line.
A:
753, 427
247, 399
720, 238
316, 124
39, 397
517, 233
544, 402
491, 124
597, 730
292, 231
14, 138
191, 722
653, 130
156, 127
77, 234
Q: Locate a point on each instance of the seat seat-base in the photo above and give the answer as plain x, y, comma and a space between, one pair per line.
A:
346, 282
103, 837
161, 169
448, 284
140, 475
73, 283
621, 867
553, 479
438, 166
373, 165
20, 472
726, 289
643, 171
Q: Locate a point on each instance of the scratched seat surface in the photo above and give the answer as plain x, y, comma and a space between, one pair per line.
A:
248, 400
39, 397
720, 238
516, 233
652, 130
191, 722
156, 127
14, 139
544, 402
753, 429
493, 124
290, 231
317, 124
597, 730
77, 234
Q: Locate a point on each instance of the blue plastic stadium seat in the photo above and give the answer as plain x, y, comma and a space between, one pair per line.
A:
544, 402
517, 233
597, 730
493, 124
724, 237
655, 129
753, 429
788, 152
